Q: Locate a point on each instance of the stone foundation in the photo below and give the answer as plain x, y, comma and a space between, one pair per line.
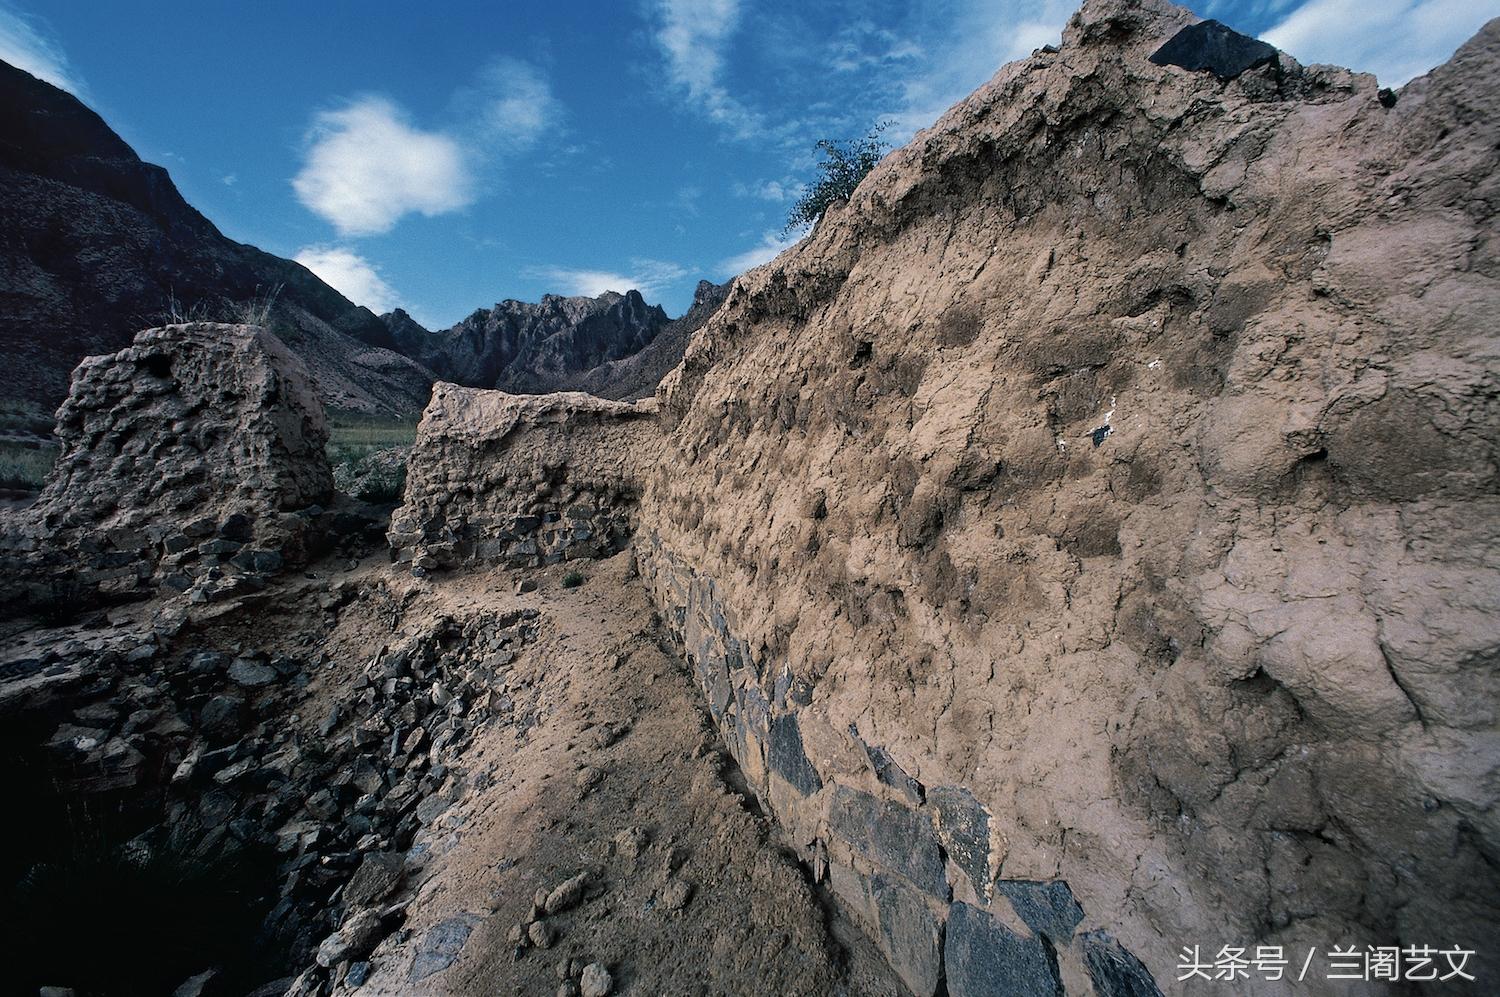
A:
914, 865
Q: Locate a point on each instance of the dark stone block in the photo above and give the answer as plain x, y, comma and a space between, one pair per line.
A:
259, 561
236, 527
909, 935
984, 957
1048, 908
220, 718
892, 774
1115, 972
440, 946
755, 712
894, 837
963, 826
788, 759
1215, 47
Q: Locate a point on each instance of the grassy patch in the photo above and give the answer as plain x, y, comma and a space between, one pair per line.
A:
368, 454
572, 579
24, 466
372, 432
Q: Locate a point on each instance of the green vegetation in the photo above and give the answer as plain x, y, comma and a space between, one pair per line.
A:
24, 466
843, 166
572, 579
372, 432
368, 454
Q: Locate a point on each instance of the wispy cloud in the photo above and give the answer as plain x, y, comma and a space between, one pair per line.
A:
367, 167
694, 36
1394, 39
774, 191
27, 44
960, 53
509, 106
648, 276
770, 246
353, 276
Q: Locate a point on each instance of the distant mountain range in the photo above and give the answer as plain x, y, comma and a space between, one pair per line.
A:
96, 244
614, 346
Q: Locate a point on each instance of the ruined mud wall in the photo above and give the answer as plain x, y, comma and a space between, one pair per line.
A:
1086, 538
192, 459
521, 480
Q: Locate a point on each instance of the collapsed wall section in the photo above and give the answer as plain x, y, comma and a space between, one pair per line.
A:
521, 480
191, 460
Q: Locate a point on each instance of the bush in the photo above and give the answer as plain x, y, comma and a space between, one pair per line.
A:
572, 580
843, 166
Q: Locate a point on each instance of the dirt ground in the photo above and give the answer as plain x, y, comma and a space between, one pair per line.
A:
607, 767
595, 757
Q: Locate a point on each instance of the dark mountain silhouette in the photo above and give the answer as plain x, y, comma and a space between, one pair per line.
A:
614, 345
96, 244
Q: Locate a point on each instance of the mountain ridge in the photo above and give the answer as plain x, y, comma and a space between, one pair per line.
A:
96, 244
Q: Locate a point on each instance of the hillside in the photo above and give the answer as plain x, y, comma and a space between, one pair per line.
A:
96, 245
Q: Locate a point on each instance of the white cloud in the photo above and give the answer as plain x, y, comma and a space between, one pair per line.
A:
351, 275
26, 45
367, 167
1394, 39
771, 245
510, 105
775, 191
648, 276
229, 179
694, 36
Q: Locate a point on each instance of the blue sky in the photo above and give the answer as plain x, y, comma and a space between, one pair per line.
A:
444, 161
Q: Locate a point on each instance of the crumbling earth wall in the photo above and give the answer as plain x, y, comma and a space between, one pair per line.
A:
193, 459
520, 480
1087, 537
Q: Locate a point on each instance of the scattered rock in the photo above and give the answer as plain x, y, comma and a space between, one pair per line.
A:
251, 674
596, 981
542, 934
675, 895
630, 842
440, 946
194, 986
354, 940
358, 973
566, 894
379, 874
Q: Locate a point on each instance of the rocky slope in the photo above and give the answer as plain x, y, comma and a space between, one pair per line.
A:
637, 375
1086, 539
96, 245
614, 345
